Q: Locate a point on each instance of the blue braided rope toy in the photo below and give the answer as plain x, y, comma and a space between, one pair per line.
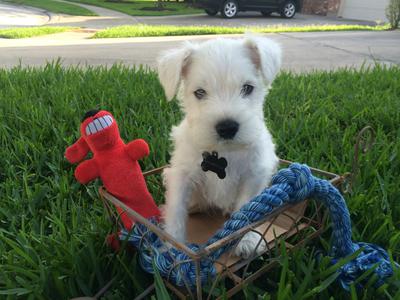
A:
290, 185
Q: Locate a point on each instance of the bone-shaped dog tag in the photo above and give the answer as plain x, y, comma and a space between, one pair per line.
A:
212, 163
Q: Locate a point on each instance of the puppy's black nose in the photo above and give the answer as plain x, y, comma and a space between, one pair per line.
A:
227, 128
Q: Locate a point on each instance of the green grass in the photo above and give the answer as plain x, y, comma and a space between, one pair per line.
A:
25, 32
144, 7
52, 229
55, 7
169, 30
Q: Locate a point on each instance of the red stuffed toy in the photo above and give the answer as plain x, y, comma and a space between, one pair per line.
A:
114, 162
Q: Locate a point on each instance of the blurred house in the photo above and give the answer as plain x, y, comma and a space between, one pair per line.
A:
369, 10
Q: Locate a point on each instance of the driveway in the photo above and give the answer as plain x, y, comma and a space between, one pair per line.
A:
17, 16
302, 51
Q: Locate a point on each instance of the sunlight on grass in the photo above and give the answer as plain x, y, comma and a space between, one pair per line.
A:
25, 32
168, 30
56, 7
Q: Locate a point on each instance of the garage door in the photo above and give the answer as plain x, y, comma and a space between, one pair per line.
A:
371, 10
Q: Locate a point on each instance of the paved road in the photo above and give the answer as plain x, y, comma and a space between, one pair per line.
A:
16, 16
109, 18
248, 19
302, 51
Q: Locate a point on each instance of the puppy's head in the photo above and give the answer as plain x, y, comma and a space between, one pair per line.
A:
221, 85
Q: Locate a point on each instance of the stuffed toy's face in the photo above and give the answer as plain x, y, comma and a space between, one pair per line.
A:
99, 129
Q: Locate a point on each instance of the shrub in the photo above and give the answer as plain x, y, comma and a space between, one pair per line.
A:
393, 13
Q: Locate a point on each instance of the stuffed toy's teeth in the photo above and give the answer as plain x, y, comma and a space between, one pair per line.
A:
98, 124
108, 119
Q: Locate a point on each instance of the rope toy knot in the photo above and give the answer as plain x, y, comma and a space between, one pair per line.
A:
297, 181
371, 257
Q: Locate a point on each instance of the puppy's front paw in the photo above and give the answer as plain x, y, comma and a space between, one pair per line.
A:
250, 245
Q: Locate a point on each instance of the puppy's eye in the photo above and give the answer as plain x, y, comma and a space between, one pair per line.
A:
200, 93
247, 89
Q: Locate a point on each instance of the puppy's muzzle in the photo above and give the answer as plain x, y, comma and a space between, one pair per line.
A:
227, 129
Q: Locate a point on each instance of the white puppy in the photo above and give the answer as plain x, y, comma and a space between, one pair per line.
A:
221, 85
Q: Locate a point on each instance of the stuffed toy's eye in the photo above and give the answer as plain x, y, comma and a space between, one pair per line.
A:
200, 93
247, 89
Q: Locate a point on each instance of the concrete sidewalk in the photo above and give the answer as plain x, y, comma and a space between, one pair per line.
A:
106, 18
18, 16
302, 51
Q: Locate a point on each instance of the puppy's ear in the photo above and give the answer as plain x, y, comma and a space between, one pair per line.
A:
172, 66
266, 56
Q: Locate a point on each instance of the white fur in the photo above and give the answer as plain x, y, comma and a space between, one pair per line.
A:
221, 67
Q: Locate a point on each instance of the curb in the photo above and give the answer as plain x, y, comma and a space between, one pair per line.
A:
48, 14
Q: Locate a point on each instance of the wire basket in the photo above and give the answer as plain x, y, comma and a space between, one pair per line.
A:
293, 225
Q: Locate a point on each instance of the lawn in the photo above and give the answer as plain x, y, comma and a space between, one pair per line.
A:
25, 32
170, 30
56, 7
52, 229
145, 7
